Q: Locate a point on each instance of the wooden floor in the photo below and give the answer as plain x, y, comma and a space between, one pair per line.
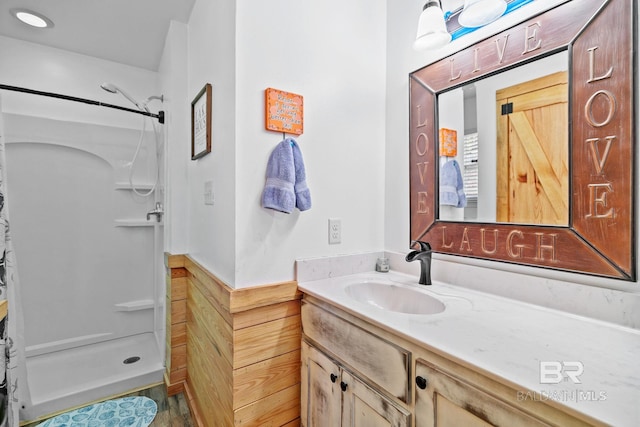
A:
172, 411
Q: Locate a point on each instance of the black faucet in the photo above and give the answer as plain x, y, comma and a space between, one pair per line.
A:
424, 256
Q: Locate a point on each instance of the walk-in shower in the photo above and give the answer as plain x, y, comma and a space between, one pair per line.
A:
89, 260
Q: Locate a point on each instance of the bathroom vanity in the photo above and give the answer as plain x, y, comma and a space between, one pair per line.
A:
371, 359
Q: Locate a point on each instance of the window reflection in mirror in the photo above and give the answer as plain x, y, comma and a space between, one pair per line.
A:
511, 167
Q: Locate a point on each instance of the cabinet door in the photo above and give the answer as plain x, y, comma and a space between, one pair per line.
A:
321, 395
444, 401
362, 406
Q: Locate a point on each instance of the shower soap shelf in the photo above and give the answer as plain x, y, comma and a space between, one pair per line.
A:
144, 304
127, 186
135, 223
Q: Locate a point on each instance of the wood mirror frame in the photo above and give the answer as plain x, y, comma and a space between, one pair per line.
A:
600, 237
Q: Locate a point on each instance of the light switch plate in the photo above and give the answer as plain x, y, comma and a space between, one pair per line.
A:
208, 193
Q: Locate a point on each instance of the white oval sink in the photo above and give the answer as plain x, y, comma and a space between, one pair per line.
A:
394, 298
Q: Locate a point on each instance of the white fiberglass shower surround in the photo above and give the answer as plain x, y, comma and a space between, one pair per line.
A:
90, 259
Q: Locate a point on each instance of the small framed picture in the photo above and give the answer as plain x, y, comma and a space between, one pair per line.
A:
201, 123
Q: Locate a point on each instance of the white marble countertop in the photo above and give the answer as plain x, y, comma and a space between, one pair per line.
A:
509, 339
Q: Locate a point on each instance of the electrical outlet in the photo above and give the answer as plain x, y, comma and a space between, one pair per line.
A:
335, 231
208, 193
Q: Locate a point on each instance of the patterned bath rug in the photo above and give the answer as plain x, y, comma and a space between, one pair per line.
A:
135, 411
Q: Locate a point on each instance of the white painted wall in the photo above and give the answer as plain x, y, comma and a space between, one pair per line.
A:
333, 54
211, 59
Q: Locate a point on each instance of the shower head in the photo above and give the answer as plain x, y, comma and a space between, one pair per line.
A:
110, 87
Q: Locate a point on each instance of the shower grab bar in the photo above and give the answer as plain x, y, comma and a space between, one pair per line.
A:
159, 116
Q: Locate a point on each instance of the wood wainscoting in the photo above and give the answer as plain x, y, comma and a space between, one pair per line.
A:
242, 350
176, 324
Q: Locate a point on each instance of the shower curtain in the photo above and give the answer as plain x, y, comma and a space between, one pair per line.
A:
10, 339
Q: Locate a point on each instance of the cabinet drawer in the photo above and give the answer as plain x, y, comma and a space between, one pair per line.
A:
378, 360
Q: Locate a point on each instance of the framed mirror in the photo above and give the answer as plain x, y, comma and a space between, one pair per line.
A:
522, 145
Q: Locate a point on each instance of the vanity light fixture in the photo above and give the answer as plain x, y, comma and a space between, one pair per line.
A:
432, 29
477, 13
31, 18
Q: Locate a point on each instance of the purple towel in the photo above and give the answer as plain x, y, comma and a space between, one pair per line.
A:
303, 195
286, 186
452, 185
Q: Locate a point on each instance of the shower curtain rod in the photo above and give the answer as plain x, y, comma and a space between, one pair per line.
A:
159, 116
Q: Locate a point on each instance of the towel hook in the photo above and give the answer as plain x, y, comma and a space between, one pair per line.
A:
284, 136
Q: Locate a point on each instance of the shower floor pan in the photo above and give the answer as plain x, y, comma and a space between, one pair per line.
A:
69, 378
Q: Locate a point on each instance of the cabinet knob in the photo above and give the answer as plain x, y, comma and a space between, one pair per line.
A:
421, 382
343, 386
334, 377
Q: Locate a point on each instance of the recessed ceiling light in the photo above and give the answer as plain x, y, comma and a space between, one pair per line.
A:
32, 18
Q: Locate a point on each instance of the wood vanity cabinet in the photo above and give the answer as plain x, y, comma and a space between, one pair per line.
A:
350, 377
390, 381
